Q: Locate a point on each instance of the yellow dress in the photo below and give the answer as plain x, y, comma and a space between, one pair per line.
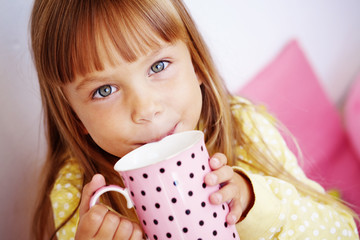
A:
279, 210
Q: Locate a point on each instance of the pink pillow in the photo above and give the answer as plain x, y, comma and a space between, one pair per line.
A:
291, 91
352, 115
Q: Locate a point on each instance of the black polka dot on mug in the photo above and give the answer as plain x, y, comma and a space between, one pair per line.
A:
177, 187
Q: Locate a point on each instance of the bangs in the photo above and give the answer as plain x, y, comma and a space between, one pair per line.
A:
92, 33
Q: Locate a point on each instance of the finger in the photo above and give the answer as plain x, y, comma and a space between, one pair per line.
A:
109, 226
236, 211
89, 189
124, 230
217, 161
90, 222
219, 176
225, 194
137, 233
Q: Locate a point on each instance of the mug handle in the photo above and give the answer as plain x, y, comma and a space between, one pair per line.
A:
95, 198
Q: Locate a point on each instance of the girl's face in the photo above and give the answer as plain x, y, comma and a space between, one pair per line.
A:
130, 104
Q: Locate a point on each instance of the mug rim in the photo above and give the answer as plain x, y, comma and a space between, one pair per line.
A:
125, 164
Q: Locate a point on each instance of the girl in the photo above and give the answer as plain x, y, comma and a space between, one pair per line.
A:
115, 75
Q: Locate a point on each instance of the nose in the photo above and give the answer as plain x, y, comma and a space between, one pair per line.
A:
146, 106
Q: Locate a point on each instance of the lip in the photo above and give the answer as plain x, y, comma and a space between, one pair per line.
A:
170, 132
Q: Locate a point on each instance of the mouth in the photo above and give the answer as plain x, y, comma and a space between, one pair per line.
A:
158, 138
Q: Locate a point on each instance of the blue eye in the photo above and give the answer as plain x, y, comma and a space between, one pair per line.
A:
104, 91
158, 66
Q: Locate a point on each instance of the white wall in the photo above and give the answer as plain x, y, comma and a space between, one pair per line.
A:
243, 36
20, 148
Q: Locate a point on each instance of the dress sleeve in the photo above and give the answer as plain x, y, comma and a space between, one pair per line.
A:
280, 211
65, 197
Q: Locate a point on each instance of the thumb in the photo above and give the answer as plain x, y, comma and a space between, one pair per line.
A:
89, 189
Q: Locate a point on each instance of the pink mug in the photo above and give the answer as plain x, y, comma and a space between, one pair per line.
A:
165, 182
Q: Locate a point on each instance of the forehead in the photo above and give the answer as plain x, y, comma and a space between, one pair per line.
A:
117, 61
102, 34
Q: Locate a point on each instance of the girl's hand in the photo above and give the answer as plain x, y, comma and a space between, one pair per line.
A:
235, 189
100, 223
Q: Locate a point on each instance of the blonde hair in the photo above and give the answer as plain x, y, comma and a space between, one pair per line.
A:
66, 37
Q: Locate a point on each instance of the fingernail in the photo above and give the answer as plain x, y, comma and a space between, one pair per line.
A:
212, 179
215, 162
231, 219
216, 198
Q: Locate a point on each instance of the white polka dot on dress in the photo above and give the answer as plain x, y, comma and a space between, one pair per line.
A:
272, 229
61, 214
289, 191
69, 195
66, 206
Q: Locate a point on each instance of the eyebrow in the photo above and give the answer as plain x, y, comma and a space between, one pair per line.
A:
87, 80
153, 54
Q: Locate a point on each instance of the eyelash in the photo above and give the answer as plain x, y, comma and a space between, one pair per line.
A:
98, 95
166, 64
